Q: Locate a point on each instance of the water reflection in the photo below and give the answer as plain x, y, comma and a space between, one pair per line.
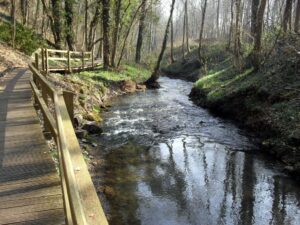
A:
170, 162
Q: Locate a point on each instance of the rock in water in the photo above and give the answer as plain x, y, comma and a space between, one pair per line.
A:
128, 86
92, 127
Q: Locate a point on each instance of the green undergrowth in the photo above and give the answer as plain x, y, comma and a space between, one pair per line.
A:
92, 87
189, 68
26, 41
266, 100
126, 72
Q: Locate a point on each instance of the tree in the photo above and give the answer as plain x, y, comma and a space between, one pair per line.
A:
287, 15
57, 23
69, 4
24, 10
237, 37
13, 16
218, 18
187, 33
231, 24
139, 43
106, 31
256, 53
152, 81
93, 26
254, 9
172, 42
116, 31
201, 30
297, 18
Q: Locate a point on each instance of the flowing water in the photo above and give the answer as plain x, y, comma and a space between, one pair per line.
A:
170, 162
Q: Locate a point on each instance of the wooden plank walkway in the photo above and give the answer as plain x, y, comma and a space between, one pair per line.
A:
30, 190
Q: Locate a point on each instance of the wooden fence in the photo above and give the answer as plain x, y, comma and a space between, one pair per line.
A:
52, 60
81, 202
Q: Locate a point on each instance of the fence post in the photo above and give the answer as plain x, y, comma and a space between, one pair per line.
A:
82, 58
47, 63
69, 100
37, 61
92, 57
69, 61
43, 59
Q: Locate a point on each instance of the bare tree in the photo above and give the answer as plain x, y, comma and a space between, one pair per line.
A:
141, 32
13, 16
116, 31
256, 54
287, 15
187, 26
237, 37
152, 81
106, 30
297, 18
201, 30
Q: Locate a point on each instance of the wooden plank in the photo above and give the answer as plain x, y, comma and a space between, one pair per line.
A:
55, 215
28, 177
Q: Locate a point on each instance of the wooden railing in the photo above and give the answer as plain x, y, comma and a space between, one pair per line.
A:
68, 61
81, 203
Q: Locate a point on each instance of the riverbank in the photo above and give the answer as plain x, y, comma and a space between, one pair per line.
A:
93, 91
266, 101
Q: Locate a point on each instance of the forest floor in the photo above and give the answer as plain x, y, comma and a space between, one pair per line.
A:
11, 58
266, 101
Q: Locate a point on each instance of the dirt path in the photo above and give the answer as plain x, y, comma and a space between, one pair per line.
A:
11, 58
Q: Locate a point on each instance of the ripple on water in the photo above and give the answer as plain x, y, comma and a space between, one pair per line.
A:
171, 162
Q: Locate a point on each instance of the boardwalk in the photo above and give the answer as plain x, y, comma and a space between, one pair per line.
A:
30, 190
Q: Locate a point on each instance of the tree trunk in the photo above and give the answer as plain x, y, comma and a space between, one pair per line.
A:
116, 31
105, 23
86, 24
287, 15
13, 16
24, 11
297, 18
172, 42
231, 25
256, 54
201, 30
93, 26
237, 38
187, 32
127, 34
152, 81
218, 18
69, 7
139, 43
183, 36
254, 9
57, 24
37, 10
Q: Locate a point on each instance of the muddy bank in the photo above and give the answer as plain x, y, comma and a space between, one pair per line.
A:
90, 100
284, 147
265, 101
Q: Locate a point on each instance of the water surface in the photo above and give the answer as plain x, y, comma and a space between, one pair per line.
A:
169, 162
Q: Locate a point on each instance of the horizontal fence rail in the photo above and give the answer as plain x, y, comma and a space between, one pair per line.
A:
52, 60
81, 203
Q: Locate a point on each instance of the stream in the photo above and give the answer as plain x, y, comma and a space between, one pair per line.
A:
167, 161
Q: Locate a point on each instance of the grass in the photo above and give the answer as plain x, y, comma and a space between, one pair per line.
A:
26, 41
266, 100
126, 72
